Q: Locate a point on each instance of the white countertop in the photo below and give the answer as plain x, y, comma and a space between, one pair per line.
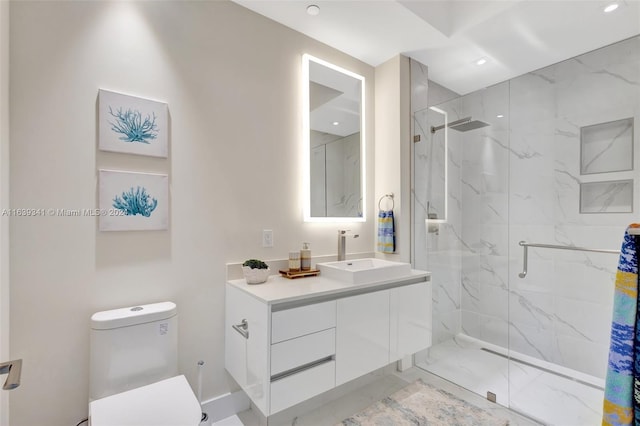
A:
278, 289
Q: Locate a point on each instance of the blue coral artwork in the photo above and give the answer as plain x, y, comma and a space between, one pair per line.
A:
132, 125
135, 201
130, 201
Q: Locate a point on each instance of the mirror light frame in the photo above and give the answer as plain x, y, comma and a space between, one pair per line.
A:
306, 143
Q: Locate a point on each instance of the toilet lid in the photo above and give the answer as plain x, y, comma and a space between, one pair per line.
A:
170, 402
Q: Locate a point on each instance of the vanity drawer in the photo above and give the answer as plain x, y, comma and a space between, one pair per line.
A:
301, 321
298, 387
294, 353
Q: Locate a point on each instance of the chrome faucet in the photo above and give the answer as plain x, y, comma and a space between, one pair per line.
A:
342, 243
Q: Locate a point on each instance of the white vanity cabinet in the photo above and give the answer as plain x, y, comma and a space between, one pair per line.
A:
287, 341
245, 347
411, 319
302, 353
279, 357
375, 329
362, 343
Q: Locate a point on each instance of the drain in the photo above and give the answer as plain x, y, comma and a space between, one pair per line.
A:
546, 370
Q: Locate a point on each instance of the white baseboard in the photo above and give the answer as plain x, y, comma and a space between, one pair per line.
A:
225, 406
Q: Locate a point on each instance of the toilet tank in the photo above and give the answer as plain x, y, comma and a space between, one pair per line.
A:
132, 347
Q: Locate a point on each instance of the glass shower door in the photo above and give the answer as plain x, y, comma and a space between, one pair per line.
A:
552, 162
461, 236
572, 128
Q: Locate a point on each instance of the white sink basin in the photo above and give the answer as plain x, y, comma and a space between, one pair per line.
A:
360, 271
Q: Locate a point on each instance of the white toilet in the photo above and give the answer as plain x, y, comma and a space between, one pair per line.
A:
133, 369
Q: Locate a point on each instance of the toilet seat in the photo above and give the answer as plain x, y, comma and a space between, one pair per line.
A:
169, 402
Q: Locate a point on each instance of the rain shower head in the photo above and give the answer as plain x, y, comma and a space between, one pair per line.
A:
470, 125
462, 125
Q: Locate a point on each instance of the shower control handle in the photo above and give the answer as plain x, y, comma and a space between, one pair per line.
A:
242, 328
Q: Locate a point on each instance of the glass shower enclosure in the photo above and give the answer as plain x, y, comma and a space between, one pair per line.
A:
541, 164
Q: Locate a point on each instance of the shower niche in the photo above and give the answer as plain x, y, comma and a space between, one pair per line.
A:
615, 196
606, 149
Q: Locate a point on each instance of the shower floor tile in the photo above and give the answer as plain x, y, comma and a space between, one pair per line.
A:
556, 400
547, 397
469, 366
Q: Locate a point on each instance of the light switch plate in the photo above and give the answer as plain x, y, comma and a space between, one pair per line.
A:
267, 238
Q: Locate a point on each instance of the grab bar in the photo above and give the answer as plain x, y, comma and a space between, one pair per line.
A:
525, 245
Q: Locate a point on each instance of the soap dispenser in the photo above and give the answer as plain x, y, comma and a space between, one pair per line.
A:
305, 257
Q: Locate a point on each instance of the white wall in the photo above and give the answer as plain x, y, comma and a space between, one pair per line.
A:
4, 199
393, 155
232, 82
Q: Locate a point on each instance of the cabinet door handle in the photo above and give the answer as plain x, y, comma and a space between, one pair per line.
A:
13, 369
242, 328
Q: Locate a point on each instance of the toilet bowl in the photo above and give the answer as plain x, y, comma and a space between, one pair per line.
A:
133, 369
169, 402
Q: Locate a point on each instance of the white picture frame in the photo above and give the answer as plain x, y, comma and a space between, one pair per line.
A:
132, 125
132, 201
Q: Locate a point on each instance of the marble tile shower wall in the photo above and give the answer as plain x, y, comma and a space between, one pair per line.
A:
485, 215
519, 179
561, 312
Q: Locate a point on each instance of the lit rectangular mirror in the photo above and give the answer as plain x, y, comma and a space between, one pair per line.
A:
334, 147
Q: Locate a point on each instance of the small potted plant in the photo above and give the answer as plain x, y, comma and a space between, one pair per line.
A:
255, 271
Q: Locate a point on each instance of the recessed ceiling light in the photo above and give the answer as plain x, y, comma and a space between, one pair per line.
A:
481, 61
335, 123
611, 7
313, 10
500, 116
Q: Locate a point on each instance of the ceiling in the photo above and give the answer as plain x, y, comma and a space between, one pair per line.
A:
449, 36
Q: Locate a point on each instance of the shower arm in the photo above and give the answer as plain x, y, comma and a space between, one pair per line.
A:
453, 123
525, 246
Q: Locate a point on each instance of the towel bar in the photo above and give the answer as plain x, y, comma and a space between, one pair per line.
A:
525, 246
